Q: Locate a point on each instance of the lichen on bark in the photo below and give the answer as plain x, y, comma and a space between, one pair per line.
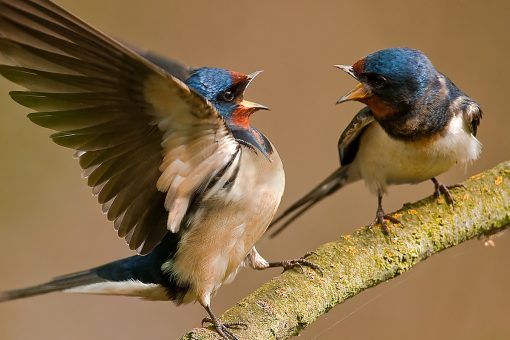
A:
291, 301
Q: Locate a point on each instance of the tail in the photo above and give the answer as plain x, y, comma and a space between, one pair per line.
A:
61, 283
332, 183
139, 276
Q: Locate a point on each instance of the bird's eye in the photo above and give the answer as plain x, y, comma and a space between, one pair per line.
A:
228, 96
377, 81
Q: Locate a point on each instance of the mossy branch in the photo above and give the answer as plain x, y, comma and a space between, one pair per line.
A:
288, 303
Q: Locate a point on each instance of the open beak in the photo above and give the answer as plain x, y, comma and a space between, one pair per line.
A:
252, 76
359, 92
347, 69
253, 106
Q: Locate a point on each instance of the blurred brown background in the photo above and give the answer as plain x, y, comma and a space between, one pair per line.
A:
51, 225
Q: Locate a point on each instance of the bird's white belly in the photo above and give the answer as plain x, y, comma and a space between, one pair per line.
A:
217, 243
383, 161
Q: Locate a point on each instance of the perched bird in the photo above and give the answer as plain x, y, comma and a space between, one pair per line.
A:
416, 125
168, 150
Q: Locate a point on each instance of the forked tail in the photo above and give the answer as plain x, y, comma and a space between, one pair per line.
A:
80, 279
140, 276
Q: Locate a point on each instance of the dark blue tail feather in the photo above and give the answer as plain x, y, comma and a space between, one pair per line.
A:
146, 269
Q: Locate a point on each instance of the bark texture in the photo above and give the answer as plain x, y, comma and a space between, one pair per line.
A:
288, 303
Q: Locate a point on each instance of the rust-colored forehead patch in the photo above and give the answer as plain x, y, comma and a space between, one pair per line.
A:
238, 77
359, 66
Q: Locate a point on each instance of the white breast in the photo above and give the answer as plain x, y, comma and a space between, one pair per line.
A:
228, 225
382, 160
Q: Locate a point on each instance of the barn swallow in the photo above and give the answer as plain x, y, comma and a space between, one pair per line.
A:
168, 150
416, 125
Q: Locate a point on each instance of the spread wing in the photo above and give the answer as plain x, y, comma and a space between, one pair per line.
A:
147, 143
348, 143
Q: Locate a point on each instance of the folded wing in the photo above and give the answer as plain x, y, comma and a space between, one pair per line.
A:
348, 144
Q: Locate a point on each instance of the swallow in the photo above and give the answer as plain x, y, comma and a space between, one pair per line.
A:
416, 125
168, 150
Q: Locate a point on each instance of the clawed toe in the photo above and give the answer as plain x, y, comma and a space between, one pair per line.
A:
458, 185
441, 189
381, 218
231, 325
302, 262
225, 333
307, 254
289, 264
236, 325
223, 328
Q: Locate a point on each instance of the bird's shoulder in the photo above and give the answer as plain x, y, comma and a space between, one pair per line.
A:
348, 144
463, 105
174, 67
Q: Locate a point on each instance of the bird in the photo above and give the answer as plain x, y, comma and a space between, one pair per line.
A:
416, 125
168, 151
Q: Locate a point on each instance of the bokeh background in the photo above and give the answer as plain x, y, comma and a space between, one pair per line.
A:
50, 224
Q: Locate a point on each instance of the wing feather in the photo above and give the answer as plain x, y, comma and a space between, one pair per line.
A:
348, 143
146, 142
472, 115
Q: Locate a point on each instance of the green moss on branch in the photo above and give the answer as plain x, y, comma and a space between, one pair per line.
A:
288, 303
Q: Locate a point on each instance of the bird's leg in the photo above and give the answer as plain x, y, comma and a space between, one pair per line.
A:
289, 264
259, 263
223, 328
440, 188
380, 216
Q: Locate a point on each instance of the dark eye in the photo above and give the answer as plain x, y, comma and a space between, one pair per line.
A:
377, 81
227, 96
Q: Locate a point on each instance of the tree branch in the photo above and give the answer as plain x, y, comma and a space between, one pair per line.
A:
288, 303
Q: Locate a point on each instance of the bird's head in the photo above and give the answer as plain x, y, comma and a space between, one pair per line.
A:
225, 90
391, 80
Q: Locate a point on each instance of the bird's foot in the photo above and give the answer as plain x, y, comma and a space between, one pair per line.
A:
309, 253
380, 218
223, 329
289, 264
441, 189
